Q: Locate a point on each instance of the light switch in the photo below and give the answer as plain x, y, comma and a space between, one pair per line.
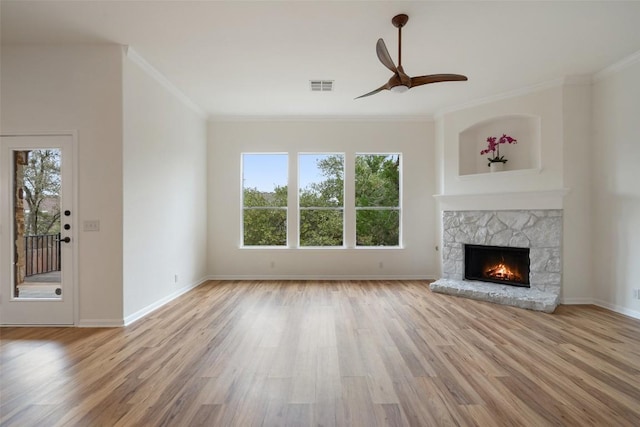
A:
93, 225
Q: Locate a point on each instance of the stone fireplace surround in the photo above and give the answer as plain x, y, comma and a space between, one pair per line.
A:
539, 230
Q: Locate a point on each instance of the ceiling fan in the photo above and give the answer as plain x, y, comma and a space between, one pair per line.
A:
400, 81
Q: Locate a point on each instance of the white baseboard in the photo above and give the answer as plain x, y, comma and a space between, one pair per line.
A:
604, 304
313, 277
156, 305
9, 325
577, 301
100, 323
618, 309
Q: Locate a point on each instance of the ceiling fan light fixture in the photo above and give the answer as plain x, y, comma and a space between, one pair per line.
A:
400, 89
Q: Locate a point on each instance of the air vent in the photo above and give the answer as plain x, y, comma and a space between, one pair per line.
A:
321, 85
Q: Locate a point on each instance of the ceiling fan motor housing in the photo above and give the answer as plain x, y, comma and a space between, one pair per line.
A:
400, 20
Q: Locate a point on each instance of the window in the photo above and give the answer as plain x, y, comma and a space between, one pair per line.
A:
375, 181
377, 199
264, 199
321, 199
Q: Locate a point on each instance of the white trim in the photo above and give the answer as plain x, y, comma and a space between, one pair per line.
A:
602, 304
213, 118
39, 133
100, 323
501, 96
75, 221
523, 200
471, 176
616, 67
160, 78
617, 308
320, 277
576, 301
163, 301
53, 325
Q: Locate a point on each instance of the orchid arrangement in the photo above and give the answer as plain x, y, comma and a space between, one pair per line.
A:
493, 147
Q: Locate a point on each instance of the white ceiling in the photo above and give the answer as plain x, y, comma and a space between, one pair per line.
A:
239, 58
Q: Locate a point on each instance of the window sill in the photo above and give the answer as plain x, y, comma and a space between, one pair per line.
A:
321, 248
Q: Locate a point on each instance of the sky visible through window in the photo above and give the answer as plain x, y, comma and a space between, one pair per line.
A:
265, 171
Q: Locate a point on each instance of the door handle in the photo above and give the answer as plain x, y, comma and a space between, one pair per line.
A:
66, 239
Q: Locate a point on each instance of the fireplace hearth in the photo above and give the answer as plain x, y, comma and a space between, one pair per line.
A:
497, 264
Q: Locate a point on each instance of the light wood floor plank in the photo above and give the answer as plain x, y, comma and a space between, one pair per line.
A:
331, 353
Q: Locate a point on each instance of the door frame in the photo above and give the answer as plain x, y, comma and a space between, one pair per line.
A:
73, 134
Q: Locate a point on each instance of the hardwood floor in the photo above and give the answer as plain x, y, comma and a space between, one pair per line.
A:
361, 353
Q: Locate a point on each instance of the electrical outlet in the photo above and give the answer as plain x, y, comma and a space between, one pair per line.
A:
175, 278
380, 264
273, 264
636, 293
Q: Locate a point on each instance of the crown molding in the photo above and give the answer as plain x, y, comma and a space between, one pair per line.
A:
616, 67
153, 72
573, 80
501, 96
223, 118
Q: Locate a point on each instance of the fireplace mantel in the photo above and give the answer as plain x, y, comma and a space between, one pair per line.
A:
521, 200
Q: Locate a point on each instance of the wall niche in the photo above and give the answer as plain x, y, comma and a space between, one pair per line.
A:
525, 155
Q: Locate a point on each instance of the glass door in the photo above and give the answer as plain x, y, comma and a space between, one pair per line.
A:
37, 243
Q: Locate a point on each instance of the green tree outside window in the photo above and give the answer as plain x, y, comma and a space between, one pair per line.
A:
322, 200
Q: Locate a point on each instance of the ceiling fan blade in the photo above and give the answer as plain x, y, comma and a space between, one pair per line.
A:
373, 92
384, 57
436, 78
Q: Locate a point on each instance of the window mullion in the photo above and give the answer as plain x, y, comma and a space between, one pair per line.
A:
349, 200
292, 204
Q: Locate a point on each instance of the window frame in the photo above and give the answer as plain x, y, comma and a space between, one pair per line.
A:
272, 208
397, 208
321, 208
349, 209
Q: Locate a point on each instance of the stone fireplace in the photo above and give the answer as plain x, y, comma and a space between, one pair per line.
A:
538, 232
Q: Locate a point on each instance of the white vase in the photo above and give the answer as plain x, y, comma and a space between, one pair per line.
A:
496, 166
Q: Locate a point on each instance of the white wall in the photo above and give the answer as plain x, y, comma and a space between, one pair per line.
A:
577, 281
164, 192
227, 140
543, 104
616, 197
191, 189
61, 88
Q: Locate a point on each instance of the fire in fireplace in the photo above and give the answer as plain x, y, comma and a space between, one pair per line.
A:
497, 264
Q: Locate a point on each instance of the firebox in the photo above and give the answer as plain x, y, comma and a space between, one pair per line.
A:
497, 264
